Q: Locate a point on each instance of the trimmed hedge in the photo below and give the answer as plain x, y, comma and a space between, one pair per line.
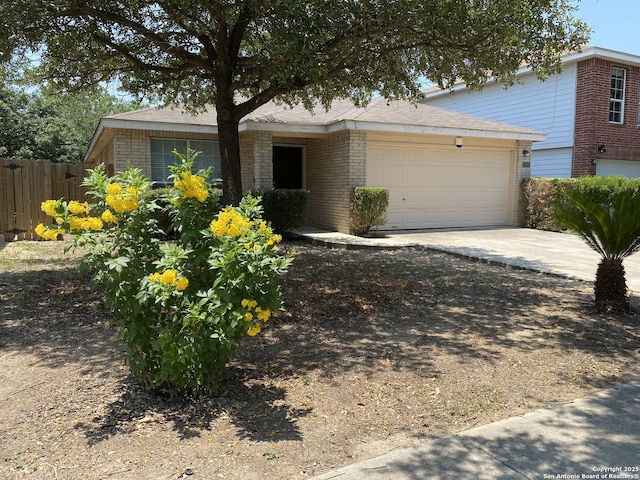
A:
541, 195
284, 208
368, 208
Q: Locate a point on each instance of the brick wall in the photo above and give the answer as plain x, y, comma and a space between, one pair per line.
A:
334, 166
592, 127
522, 171
133, 147
256, 160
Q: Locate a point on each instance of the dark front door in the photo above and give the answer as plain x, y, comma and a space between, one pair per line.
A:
287, 167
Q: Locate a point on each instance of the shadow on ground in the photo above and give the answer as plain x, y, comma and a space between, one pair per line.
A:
359, 310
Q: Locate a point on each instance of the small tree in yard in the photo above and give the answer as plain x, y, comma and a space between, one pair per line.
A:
236, 56
612, 230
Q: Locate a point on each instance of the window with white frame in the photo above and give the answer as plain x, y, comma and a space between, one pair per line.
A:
616, 97
162, 157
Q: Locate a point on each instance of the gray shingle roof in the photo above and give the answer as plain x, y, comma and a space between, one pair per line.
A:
379, 115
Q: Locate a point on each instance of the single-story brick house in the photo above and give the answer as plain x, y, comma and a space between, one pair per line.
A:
442, 169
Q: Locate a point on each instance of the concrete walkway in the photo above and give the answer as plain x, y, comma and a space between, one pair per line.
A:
593, 437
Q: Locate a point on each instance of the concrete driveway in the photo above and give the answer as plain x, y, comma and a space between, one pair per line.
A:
548, 252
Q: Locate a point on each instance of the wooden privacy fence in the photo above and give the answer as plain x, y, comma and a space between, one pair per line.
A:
25, 184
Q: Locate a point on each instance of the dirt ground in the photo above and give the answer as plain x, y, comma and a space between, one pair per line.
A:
377, 350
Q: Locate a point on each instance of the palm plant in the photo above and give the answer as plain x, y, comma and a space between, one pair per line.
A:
612, 230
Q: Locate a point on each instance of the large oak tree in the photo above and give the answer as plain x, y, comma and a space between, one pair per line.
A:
241, 54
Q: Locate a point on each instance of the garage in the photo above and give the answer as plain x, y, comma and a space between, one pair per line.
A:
439, 188
625, 168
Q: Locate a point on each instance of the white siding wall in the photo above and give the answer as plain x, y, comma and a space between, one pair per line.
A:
547, 107
553, 163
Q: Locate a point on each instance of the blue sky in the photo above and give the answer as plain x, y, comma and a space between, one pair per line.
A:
614, 23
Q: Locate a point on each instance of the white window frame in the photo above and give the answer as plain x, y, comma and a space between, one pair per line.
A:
201, 162
616, 95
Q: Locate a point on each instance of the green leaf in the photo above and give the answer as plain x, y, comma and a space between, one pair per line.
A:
117, 263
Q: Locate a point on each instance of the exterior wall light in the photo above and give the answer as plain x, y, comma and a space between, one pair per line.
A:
458, 142
602, 149
526, 153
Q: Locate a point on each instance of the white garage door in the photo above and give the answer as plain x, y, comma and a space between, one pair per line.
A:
618, 167
436, 189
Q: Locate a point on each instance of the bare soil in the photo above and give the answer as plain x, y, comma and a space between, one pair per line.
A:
377, 350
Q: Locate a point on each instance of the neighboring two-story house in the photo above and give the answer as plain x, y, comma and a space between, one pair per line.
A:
589, 112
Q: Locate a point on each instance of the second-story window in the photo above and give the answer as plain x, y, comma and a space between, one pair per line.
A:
616, 97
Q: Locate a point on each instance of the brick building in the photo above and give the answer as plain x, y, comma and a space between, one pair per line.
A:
589, 112
442, 169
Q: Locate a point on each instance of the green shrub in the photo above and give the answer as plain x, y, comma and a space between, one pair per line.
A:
540, 195
162, 214
543, 195
368, 208
182, 307
284, 208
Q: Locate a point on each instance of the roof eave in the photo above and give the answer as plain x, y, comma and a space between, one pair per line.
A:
586, 53
284, 128
436, 130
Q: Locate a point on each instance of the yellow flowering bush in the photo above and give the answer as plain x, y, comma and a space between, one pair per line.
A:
181, 306
48, 233
68, 217
231, 223
121, 199
191, 186
170, 278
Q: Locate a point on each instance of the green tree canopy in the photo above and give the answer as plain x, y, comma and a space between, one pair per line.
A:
240, 54
46, 125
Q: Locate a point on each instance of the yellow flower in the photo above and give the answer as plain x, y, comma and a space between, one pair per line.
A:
84, 224
75, 223
248, 316
181, 283
248, 304
114, 188
78, 208
49, 207
93, 223
192, 186
168, 277
48, 233
109, 217
263, 229
122, 200
254, 330
231, 223
274, 239
263, 314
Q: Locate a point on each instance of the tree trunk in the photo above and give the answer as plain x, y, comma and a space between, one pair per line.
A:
229, 141
611, 286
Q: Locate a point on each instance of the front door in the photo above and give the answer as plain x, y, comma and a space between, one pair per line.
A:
287, 167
